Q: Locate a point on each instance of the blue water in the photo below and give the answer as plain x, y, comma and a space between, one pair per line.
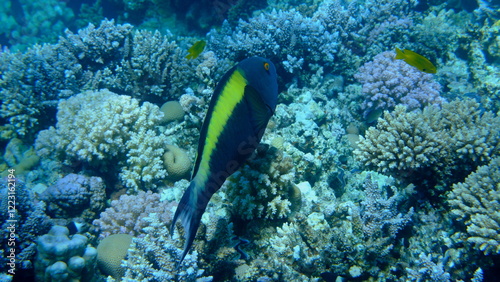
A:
371, 168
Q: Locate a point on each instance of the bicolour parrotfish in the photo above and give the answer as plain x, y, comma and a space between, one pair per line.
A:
416, 60
241, 106
196, 49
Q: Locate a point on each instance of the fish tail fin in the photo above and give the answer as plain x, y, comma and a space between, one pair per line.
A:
189, 211
399, 54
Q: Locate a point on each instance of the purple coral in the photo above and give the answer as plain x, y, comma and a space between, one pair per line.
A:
388, 82
129, 214
75, 196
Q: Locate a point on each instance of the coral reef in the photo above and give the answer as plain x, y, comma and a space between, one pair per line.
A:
29, 219
127, 214
262, 188
437, 144
388, 82
122, 129
26, 23
64, 258
476, 202
143, 65
332, 36
302, 209
177, 162
75, 196
364, 232
110, 253
154, 257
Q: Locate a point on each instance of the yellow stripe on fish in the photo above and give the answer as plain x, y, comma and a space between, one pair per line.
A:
230, 96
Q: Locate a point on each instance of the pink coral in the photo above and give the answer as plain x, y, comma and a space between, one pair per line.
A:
388, 82
128, 214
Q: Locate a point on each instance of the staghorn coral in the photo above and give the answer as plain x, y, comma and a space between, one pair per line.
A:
476, 202
122, 132
440, 145
260, 189
388, 82
144, 165
126, 215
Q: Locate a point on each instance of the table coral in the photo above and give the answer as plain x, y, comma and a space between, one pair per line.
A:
476, 201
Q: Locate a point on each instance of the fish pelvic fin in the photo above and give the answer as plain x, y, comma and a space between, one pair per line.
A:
189, 212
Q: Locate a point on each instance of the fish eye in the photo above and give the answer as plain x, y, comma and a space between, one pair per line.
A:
266, 66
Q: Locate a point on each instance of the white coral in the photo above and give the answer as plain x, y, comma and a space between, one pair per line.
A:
101, 126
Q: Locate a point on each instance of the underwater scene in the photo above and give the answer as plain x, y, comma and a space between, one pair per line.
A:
238, 140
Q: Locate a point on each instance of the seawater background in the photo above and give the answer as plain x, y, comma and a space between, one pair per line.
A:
369, 169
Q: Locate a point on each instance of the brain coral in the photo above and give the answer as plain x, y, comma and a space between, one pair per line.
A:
110, 253
177, 162
103, 128
388, 82
476, 201
439, 144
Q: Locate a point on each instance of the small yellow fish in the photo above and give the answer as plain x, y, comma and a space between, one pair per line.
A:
415, 60
196, 49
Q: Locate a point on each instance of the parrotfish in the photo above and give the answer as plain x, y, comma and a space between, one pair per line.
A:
242, 104
415, 60
196, 49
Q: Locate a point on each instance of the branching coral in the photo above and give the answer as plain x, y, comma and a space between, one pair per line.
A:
127, 214
261, 188
122, 132
143, 65
388, 82
357, 239
29, 219
435, 142
154, 257
476, 201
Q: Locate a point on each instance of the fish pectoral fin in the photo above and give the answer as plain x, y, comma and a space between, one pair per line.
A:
399, 54
259, 110
189, 211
